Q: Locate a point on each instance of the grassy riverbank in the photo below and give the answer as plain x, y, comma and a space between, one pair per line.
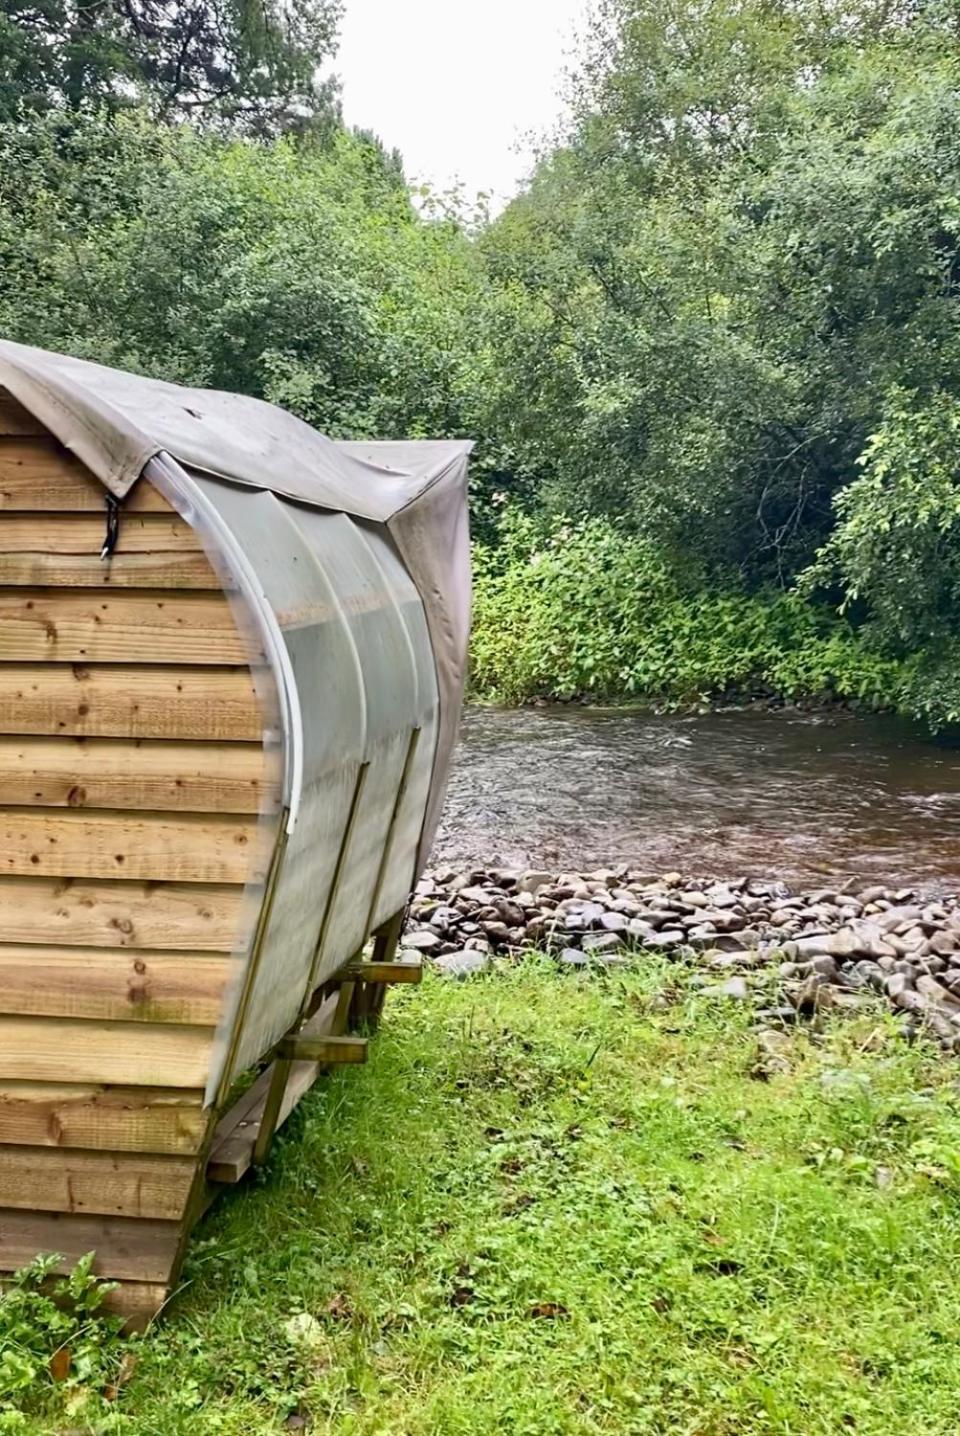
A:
555, 1204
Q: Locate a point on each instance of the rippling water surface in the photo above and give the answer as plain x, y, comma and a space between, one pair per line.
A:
808, 798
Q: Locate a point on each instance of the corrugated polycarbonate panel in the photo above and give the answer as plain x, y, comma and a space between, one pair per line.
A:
358, 653
325, 668
399, 872
393, 712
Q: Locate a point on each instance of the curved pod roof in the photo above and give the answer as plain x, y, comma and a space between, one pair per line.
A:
353, 564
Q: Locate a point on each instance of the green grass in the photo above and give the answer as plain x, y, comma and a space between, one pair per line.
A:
557, 1204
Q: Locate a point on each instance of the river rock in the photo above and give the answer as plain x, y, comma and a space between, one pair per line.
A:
460, 965
423, 941
602, 942
735, 988
833, 946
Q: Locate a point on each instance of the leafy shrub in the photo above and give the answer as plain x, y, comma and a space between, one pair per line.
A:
586, 609
55, 1336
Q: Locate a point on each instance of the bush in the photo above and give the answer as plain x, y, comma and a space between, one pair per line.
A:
566, 610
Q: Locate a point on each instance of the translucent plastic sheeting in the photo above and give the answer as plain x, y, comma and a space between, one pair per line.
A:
365, 681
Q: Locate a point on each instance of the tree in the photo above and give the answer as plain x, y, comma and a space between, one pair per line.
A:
250, 64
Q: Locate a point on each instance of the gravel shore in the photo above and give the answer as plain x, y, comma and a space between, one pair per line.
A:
831, 947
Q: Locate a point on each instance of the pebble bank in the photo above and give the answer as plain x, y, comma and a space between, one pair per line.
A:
830, 948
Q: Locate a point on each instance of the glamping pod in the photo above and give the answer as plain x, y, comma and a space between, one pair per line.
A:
231, 666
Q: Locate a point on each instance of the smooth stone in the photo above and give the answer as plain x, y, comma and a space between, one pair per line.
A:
735, 988
459, 965
423, 941
573, 957
613, 922
668, 939
535, 879
602, 942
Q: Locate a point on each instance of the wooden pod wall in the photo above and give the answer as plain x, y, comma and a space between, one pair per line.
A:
133, 778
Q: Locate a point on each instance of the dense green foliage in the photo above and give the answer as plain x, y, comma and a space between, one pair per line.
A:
563, 1206
717, 337
564, 610
243, 62
734, 308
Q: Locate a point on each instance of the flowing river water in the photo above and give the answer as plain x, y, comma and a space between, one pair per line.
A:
811, 799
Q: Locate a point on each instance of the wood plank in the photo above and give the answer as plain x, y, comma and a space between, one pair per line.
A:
401, 970
180, 917
15, 419
130, 701
38, 475
125, 1247
188, 847
135, 570
106, 626
84, 534
115, 985
113, 1119
125, 1184
327, 1051
49, 1049
113, 773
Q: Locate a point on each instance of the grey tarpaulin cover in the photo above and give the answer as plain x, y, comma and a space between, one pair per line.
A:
116, 423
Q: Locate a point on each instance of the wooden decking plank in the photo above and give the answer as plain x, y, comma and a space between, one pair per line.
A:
125, 1247
38, 475
15, 420
84, 534
231, 1153
129, 701
124, 570
123, 1184
118, 626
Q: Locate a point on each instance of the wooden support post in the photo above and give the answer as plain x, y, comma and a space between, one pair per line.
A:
328, 1051
279, 1077
368, 1000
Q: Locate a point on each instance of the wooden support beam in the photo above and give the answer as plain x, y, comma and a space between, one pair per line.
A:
231, 1154
368, 1000
279, 1077
327, 1051
402, 970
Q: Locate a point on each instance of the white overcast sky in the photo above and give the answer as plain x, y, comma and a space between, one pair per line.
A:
457, 85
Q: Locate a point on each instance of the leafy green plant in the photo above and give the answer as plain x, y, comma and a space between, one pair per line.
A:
56, 1340
567, 609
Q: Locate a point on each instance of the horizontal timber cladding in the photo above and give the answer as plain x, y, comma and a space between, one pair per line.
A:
138, 626
133, 773
126, 570
125, 1247
110, 1184
113, 985
51, 1049
16, 420
113, 1119
188, 847
184, 917
38, 476
84, 534
206, 704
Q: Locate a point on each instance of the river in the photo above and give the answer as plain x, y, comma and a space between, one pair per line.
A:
811, 799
